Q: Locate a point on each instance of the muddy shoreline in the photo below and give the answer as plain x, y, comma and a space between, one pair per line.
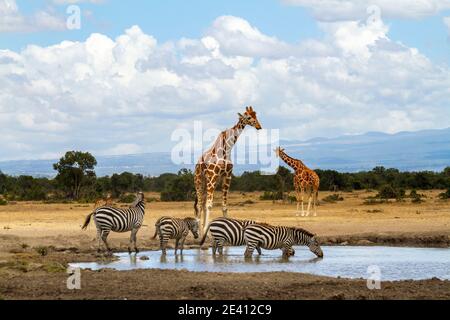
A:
24, 271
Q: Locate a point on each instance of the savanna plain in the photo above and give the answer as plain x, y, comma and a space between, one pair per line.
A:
38, 240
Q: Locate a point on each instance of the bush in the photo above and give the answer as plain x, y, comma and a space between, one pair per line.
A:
389, 192
415, 197
42, 250
445, 195
127, 198
332, 198
268, 195
3, 202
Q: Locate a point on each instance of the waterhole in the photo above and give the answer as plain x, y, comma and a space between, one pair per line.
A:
393, 263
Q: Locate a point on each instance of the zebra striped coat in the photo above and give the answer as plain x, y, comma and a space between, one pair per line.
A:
227, 231
174, 228
109, 219
279, 237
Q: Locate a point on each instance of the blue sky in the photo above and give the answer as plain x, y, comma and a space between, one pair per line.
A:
138, 70
169, 20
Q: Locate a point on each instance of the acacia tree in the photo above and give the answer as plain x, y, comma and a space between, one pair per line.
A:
74, 169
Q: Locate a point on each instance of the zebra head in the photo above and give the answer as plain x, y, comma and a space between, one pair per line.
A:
302, 236
193, 225
314, 247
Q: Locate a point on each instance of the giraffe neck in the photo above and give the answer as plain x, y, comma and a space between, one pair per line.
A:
295, 164
229, 138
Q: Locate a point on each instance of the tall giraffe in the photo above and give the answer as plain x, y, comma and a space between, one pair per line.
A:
216, 163
305, 179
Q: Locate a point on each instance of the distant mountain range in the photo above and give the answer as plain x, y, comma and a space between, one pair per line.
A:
406, 151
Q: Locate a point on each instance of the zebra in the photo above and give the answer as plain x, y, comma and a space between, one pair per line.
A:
175, 228
227, 231
108, 218
279, 237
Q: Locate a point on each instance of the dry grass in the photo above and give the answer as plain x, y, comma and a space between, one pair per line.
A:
30, 220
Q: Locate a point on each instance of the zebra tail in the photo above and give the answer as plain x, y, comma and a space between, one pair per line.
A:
204, 236
156, 231
87, 221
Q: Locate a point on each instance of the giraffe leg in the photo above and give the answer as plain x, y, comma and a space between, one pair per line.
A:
302, 196
309, 203
225, 187
198, 183
316, 195
211, 180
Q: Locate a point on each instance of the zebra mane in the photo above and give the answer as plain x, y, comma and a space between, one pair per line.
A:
308, 233
139, 199
190, 219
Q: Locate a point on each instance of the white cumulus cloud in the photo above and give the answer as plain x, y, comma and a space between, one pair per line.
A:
335, 10
12, 20
128, 94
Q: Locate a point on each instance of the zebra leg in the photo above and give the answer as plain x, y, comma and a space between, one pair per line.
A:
249, 251
163, 243
134, 239
214, 247
177, 240
182, 244
105, 234
220, 247
99, 238
258, 248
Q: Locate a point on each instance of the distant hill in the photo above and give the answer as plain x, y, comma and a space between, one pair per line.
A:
407, 151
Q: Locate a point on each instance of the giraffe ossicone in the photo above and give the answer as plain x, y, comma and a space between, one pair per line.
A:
216, 163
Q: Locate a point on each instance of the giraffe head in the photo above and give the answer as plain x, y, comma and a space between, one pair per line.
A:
249, 118
278, 151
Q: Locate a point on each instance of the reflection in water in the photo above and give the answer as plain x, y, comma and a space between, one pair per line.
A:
133, 259
352, 262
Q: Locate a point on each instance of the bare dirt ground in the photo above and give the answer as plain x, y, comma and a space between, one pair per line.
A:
38, 240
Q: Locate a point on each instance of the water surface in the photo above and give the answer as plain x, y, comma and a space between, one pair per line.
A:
394, 263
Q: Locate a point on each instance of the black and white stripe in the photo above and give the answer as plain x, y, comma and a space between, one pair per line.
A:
279, 237
109, 219
174, 228
227, 231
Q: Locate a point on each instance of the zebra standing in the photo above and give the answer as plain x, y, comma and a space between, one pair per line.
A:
175, 228
108, 218
227, 231
274, 237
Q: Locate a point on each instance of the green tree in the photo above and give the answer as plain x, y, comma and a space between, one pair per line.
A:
284, 180
179, 189
3, 181
74, 169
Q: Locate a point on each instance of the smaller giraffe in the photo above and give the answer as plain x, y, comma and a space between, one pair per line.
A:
305, 180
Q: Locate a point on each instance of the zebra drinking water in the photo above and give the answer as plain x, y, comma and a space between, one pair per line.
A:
109, 219
278, 237
175, 228
227, 231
